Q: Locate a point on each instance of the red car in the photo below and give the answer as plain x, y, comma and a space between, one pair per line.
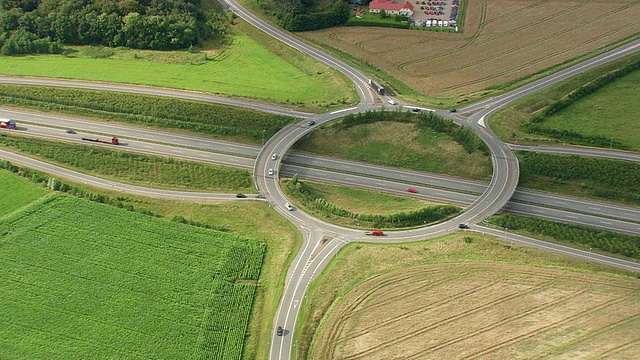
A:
412, 190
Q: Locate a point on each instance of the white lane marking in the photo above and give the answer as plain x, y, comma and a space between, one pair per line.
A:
342, 110
481, 122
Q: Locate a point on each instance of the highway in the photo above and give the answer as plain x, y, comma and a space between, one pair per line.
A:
323, 240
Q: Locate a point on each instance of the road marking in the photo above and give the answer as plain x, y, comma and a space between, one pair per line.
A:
481, 121
295, 303
339, 111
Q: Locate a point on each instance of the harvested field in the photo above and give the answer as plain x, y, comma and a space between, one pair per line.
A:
483, 310
502, 41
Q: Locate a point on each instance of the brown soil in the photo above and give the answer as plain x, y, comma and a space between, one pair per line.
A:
502, 41
480, 311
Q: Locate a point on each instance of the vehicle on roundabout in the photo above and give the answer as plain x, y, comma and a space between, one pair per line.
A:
288, 206
270, 171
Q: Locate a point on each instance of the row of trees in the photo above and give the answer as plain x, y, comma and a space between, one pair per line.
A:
44, 26
535, 123
426, 215
306, 15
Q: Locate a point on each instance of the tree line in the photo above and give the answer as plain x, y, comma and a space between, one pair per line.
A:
537, 119
44, 26
306, 15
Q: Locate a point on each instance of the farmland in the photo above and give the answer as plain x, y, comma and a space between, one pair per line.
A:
21, 193
87, 280
468, 296
502, 41
252, 66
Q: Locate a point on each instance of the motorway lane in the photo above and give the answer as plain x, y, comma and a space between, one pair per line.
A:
580, 151
558, 249
117, 186
155, 91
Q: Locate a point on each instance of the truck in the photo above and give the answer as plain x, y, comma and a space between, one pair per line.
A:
7, 124
374, 233
376, 86
114, 140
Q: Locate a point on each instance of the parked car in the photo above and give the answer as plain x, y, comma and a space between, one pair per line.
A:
274, 156
412, 190
241, 196
279, 331
270, 171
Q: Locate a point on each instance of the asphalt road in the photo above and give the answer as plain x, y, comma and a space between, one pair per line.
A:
310, 263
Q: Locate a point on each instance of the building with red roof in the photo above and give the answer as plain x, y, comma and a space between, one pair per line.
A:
391, 8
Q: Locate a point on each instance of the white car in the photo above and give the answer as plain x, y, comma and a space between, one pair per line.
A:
288, 206
392, 102
270, 171
274, 156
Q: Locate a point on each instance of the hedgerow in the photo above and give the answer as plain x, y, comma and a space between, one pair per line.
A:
150, 110
608, 241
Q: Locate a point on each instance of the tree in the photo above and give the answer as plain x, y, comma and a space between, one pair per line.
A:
383, 14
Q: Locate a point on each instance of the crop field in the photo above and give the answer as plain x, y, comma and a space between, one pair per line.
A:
467, 295
245, 69
502, 41
85, 280
476, 311
17, 192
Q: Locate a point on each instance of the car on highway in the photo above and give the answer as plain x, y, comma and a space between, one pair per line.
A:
453, 110
412, 190
288, 206
241, 196
71, 131
463, 226
270, 171
374, 233
274, 156
311, 123
279, 331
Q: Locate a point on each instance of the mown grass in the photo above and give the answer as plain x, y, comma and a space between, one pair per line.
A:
131, 167
249, 67
366, 201
17, 192
211, 120
586, 238
87, 280
616, 117
357, 262
254, 220
597, 178
399, 144
311, 198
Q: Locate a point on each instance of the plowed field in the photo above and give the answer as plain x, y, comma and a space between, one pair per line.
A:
483, 311
502, 41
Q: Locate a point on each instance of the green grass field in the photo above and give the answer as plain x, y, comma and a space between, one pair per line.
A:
245, 69
399, 144
17, 192
617, 116
150, 170
86, 280
366, 201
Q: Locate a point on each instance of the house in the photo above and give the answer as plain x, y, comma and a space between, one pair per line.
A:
391, 8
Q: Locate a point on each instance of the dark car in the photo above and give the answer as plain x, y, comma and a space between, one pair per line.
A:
260, 196
279, 331
463, 226
415, 110
242, 196
453, 110
311, 123
70, 131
